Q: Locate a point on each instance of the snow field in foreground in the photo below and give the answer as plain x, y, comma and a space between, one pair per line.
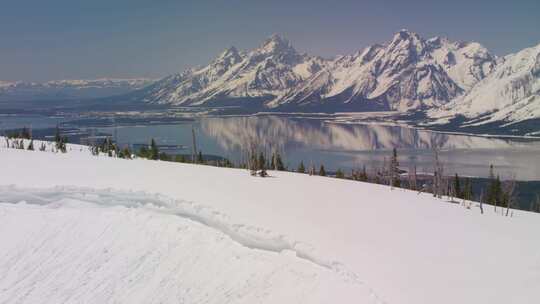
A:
406, 247
72, 250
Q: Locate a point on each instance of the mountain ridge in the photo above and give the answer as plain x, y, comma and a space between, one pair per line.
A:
70, 88
436, 76
407, 73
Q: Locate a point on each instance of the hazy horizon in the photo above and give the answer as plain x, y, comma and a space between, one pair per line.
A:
131, 39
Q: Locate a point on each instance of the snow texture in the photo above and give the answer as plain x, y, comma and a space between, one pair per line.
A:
82, 228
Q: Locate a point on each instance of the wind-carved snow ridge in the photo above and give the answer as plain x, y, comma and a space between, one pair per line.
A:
247, 236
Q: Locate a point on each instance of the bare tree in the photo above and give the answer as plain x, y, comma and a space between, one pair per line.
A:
509, 192
194, 145
413, 178
482, 201
311, 168
438, 175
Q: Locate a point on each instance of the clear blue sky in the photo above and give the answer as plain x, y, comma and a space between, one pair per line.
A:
59, 39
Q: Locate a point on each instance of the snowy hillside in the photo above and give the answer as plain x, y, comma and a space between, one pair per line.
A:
510, 94
68, 89
81, 228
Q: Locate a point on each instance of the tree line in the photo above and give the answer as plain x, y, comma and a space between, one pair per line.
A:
502, 195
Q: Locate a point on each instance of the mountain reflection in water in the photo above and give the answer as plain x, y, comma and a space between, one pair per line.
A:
348, 146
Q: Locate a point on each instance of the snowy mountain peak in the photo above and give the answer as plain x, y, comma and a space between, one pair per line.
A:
229, 57
405, 34
229, 52
438, 41
276, 43
262, 73
407, 42
407, 73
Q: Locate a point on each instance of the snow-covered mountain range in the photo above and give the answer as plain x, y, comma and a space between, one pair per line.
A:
266, 72
409, 73
69, 89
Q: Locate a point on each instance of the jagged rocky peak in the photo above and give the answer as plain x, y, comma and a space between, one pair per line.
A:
437, 42
405, 38
276, 43
405, 34
405, 48
368, 53
278, 49
228, 57
230, 52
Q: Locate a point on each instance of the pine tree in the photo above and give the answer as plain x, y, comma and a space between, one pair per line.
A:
491, 195
498, 193
262, 165
363, 175
339, 174
57, 137
200, 158
60, 141
279, 163
394, 170
164, 156
457, 187
154, 150
25, 133
143, 152
322, 172
125, 153
467, 191
301, 168
378, 177
253, 162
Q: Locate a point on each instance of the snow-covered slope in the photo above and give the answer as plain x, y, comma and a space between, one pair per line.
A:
99, 229
68, 89
265, 72
68, 246
407, 73
510, 94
